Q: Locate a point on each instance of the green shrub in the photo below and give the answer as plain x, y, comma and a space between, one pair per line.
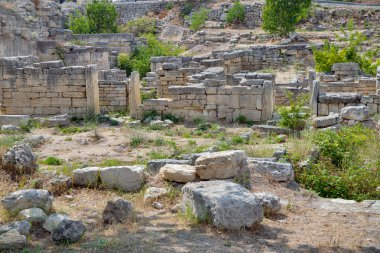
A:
150, 114
348, 166
330, 53
173, 118
295, 115
101, 17
52, 160
78, 23
198, 18
136, 140
238, 140
148, 95
139, 59
187, 9
281, 16
236, 15
140, 26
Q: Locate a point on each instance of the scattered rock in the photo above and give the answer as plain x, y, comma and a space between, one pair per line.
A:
19, 161
59, 184
126, 178
10, 128
158, 205
270, 203
326, 121
12, 240
154, 193
25, 199
35, 141
33, 215
53, 221
86, 177
117, 210
270, 129
274, 171
55, 121
68, 231
220, 165
154, 166
135, 123
278, 153
227, 205
16, 120
181, 173
23, 227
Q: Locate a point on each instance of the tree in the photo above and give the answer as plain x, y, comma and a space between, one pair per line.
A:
281, 16
102, 16
236, 14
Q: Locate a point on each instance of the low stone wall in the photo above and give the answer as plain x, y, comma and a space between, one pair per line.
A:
48, 88
225, 103
345, 88
262, 57
130, 10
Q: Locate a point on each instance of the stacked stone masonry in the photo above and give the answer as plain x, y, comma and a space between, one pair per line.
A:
47, 88
113, 90
333, 92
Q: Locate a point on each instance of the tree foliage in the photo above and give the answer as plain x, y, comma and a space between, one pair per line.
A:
139, 59
100, 17
330, 53
198, 18
281, 16
236, 15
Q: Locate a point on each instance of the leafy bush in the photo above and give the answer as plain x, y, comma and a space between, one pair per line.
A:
330, 54
295, 115
187, 9
101, 17
52, 160
78, 23
140, 26
198, 18
139, 59
281, 16
348, 166
148, 95
173, 118
236, 15
136, 140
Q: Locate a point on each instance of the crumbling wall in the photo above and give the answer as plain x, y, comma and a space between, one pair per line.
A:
344, 88
47, 88
23, 22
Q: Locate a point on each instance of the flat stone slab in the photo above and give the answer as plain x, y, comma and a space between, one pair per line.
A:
326, 121
336, 98
270, 129
181, 173
225, 204
16, 120
25, 199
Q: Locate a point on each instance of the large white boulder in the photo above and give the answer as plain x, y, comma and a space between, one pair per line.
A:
53, 221
86, 176
33, 215
12, 240
274, 171
25, 199
181, 173
19, 160
126, 178
358, 113
225, 204
220, 165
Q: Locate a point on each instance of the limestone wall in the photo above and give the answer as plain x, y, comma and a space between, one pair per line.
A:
23, 23
48, 88
225, 103
113, 90
129, 10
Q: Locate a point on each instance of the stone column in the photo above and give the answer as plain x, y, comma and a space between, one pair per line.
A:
311, 77
92, 90
314, 94
134, 94
267, 101
378, 81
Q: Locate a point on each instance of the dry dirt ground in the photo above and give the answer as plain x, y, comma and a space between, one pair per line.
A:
306, 223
